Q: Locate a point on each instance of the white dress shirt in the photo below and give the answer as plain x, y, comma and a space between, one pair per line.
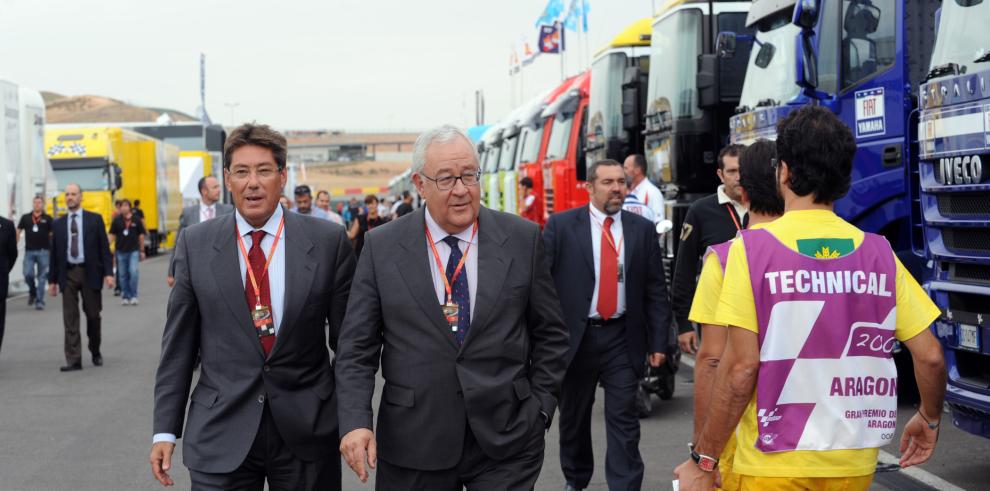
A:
470, 264
81, 258
276, 275
206, 211
597, 220
651, 196
724, 198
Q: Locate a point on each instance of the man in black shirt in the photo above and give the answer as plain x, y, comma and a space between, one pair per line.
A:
406, 206
710, 220
127, 232
37, 229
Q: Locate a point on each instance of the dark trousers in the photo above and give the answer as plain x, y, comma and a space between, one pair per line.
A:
601, 356
475, 471
269, 458
92, 304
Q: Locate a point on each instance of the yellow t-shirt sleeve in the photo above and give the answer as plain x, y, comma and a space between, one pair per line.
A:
915, 309
708, 292
736, 306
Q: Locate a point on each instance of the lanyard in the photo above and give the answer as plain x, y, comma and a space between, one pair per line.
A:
732, 215
608, 236
35, 219
460, 265
127, 223
271, 253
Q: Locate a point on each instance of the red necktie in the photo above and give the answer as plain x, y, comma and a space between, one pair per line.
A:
608, 279
256, 259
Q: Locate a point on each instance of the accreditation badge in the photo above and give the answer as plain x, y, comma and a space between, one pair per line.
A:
35, 228
451, 313
126, 231
262, 317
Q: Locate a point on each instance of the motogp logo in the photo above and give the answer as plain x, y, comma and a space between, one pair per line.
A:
767, 418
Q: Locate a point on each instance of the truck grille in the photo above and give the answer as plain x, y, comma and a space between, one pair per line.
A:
969, 273
548, 200
967, 240
967, 205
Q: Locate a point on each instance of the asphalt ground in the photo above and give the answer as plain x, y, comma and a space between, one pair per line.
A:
91, 430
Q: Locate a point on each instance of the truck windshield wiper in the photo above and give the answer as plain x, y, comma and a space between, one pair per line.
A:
983, 59
767, 103
942, 70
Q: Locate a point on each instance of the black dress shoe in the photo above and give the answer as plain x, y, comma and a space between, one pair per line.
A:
571, 487
71, 368
98, 360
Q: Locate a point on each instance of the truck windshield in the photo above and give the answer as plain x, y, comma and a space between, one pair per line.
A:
675, 46
560, 136
962, 36
605, 105
770, 79
530, 143
491, 158
89, 174
507, 158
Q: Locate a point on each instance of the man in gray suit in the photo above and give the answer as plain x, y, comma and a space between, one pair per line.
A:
209, 206
254, 292
457, 304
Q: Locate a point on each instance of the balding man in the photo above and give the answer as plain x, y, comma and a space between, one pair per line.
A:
456, 303
209, 207
80, 264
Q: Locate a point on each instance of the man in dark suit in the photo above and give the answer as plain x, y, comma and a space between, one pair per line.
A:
80, 264
8, 256
607, 267
209, 207
472, 372
254, 292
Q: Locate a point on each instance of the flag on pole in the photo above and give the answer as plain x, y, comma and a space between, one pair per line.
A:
551, 13
577, 10
527, 51
552, 38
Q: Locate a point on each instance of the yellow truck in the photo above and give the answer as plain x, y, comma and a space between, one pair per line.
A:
112, 163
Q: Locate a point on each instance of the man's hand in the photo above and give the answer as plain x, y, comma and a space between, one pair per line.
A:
688, 342
142, 256
917, 441
109, 281
53, 290
692, 478
161, 462
656, 359
357, 447
170, 280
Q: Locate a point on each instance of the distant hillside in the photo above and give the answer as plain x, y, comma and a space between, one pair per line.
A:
99, 109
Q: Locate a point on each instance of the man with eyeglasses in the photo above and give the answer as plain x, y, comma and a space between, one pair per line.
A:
456, 305
254, 293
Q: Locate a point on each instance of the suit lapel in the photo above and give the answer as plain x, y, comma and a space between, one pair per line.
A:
493, 265
300, 270
194, 219
628, 238
415, 271
583, 231
227, 274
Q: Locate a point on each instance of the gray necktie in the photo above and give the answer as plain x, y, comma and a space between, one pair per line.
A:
74, 232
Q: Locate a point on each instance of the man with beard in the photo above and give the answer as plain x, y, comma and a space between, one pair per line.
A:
606, 264
710, 220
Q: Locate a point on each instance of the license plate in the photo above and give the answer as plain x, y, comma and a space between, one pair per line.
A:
969, 336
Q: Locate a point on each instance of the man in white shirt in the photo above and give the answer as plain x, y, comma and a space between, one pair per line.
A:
323, 203
650, 195
209, 207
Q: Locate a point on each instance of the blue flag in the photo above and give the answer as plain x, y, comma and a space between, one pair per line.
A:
551, 12
578, 9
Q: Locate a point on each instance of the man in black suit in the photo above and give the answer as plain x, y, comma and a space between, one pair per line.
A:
472, 372
607, 267
80, 264
209, 207
263, 407
8, 256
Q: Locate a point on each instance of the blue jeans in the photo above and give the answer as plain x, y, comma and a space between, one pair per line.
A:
127, 269
37, 258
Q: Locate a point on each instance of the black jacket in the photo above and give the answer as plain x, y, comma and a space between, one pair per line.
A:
567, 240
8, 249
707, 223
96, 250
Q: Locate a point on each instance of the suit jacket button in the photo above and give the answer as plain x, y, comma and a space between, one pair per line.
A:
460, 359
261, 399
267, 368
460, 394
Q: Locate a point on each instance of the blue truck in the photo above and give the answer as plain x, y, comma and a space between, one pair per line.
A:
954, 143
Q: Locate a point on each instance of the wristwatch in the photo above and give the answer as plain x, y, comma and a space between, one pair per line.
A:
705, 462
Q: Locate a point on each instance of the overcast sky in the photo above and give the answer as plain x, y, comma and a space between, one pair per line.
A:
343, 64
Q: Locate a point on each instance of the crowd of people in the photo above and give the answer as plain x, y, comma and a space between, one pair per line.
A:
486, 328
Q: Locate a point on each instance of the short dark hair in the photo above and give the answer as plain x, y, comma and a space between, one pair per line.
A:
639, 160
260, 135
818, 149
593, 170
202, 182
369, 199
526, 182
125, 202
303, 190
758, 177
406, 194
137, 203
731, 150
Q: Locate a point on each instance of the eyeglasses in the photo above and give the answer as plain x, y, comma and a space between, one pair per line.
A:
447, 182
243, 173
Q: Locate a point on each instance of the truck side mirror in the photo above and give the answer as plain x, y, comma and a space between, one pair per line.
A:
806, 14
726, 45
118, 181
707, 80
807, 68
631, 89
